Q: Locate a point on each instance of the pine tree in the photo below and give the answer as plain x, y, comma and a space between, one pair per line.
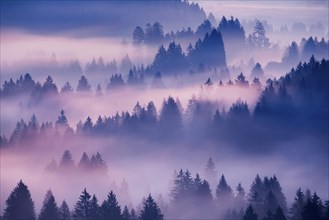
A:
95, 211
150, 210
210, 172
82, 207
83, 85
125, 214
19, 204
279, 214
250, 214
312, 208
297, 206
64, 212
66, 162
49, 210
84, 162
133, 214
110, 208
240, 197
224, 192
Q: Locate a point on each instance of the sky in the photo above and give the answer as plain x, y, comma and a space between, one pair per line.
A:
276, 12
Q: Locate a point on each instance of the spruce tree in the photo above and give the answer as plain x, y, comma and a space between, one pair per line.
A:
110, 208
82, 207
151, 210
19, 204
312, 208
279, 214
95, 212
49, 210
125, 214
297, 206
250, 214
64, 212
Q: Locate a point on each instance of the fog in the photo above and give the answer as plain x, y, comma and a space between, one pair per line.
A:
151, 170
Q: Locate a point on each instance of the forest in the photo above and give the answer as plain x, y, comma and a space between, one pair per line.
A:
178, 109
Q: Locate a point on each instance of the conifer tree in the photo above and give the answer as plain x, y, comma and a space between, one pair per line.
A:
110, 208
125, 214
49, 210
64, 212
82, 207
250, 214
19, 204
150, 210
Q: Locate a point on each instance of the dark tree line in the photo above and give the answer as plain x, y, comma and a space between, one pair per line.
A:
208, 52
95, 164
20, 205
296, 101
190, 197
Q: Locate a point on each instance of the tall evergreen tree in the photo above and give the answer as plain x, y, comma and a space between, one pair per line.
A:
82, 207
64, 212
250, 214
312, 208
49, 210
279, 215
224, 192
66, 161
240, 197
297, 205
150, 210
110, 208
210, 172
83, 85
95, 211
19, 204
125, 214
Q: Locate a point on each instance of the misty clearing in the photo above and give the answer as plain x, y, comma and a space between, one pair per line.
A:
176, 109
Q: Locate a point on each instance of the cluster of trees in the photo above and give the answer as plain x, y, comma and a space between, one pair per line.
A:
95, 164
98, 67
306, 48
189, 198
207, 52
301, 94
154, 34
258, 37
20, 205
25, 85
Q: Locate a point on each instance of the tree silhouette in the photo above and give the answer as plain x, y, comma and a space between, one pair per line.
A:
82, 207
64, 212
138, 35
125, 214
67, 88
224, 194
95, 211
257, 72
240, 197
84, 163
312, 208
297, 205
210, 172
150, 210
66, 161
83, 85
19, 204
279, 214
250, 214
258, 38
49, 210
110, 208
